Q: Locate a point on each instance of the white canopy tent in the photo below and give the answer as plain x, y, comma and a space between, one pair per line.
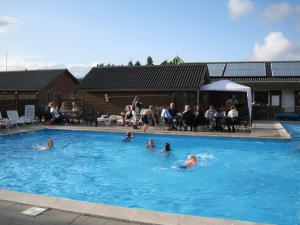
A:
227, 85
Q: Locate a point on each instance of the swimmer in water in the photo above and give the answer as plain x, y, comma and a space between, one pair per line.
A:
128, 136
50, 144
150, 144
189, 163
167, 147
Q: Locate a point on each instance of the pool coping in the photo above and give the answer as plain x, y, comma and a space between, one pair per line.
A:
283, 134
114, 212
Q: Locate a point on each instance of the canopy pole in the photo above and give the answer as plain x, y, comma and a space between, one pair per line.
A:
198, 93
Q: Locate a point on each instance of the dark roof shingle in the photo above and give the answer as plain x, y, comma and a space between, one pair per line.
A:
145, 77
28, 79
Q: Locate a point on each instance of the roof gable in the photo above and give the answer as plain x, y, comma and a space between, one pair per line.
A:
29, 79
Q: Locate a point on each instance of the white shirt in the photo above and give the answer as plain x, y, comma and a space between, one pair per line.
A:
165, 114
211, 114
233, 113
55, 113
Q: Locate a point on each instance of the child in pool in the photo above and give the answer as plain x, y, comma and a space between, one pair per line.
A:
128, 136
192, 160
150, 144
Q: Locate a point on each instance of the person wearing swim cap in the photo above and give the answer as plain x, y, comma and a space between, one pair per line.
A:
192, 160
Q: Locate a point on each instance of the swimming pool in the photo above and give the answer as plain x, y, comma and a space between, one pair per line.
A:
293, 128
245, 179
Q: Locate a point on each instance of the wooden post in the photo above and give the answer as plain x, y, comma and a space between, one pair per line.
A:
16, 100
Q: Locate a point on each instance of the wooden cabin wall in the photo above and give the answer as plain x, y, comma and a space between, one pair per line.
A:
119, 100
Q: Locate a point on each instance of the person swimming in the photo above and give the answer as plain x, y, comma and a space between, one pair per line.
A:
167, 147
192, 160
50, 144
150, 144
128, 136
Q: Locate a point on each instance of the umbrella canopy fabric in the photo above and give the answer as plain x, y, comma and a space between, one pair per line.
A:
229, 86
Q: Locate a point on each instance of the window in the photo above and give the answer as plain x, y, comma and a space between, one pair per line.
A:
275, 98
261, 98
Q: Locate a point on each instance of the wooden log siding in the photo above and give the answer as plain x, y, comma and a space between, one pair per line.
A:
118, 100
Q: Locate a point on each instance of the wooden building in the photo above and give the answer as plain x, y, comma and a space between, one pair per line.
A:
35, 87
275, 84
110, 89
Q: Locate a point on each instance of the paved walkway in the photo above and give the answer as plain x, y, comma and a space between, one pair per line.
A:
10, 214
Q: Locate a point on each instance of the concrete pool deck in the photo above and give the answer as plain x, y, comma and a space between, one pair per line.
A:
65, 212
71, 212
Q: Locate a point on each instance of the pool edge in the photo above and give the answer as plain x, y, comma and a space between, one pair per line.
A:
283, 134
113, 212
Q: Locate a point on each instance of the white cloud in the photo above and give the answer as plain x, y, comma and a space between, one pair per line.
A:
278, 11
276, 47
239, 7
7, 23
22, 62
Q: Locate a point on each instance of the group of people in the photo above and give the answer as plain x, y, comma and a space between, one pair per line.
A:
192, 160
188, 118
64, 114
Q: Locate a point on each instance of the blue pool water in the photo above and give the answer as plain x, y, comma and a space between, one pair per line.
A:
244, 179
293, 128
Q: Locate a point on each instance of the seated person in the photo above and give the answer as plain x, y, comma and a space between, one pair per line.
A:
212, 115
127, 115
150, 144
192, 160
187, 118
56, 115
174, 114
165, 114
167, 147
128, 136
75, 113
232, 118
199, 118
64, 108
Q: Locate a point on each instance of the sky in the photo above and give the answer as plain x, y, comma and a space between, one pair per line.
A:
78, 34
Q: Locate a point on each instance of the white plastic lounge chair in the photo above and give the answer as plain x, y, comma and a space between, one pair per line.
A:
30, 113
114, 118
7, 123
103, 119
13, 116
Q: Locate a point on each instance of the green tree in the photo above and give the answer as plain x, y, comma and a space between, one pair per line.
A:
165, 62
100, 65
130, 63
177, 60
149, 61
137, 63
